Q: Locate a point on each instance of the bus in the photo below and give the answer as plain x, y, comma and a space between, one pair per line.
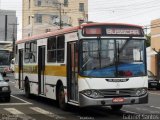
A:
94, 64
6, 55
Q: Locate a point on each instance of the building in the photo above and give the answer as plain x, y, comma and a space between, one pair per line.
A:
8, 25
155, 45
40, 16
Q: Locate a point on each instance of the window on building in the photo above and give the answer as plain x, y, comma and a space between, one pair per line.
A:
55, 49
29, 4
29, 34
30, 52
29, 20
38, 18
66, 3
39, 2
81, 7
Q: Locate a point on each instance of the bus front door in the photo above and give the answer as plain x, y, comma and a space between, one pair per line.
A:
20, 70
72, 72
41, 69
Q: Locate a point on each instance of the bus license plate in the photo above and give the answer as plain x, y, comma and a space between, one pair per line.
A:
117, 100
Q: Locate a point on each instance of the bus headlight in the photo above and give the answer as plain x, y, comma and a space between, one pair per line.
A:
141, 91
92, 93
5, 88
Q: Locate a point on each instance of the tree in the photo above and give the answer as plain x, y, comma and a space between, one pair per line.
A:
148, 41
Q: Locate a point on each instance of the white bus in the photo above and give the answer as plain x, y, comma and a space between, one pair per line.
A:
94, 64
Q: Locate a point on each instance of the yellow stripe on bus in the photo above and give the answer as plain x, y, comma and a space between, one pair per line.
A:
49, 70
55, 70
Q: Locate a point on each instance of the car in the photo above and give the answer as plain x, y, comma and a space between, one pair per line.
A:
5, 91
153, 82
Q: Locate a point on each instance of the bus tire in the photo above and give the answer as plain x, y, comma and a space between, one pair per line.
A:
61, 98
116, 107
27, 89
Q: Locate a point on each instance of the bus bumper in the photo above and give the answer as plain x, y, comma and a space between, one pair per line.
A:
85, 101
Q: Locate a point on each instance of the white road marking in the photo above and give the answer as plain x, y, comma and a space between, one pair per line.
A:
13, 111
18, 114
25, 102
14, 104
127, 111
21, 99
47, 113
155, 107
154, 93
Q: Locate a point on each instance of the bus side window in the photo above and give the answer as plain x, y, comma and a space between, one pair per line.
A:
60, 49
55, 49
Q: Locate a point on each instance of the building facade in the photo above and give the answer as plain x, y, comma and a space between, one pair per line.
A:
8, 25
155, 46
40, 16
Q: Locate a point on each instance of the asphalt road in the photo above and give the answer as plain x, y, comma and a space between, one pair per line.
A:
38, 108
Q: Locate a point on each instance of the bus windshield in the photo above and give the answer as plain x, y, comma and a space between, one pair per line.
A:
4, 57
112, 57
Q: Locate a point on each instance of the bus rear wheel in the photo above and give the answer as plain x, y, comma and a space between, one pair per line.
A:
61, 98
116, 107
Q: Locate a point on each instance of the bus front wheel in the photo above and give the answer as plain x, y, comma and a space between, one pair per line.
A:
116, 107
61, 98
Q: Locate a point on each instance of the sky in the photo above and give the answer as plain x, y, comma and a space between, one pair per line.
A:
139, 12
125, 11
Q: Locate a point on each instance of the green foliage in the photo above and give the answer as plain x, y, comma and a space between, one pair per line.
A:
148, 41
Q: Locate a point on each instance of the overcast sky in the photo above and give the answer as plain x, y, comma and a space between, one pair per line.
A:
125, 11
130, 11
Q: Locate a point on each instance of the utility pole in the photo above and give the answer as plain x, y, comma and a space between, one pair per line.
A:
13, 38
60, 16
6, 26
32, 17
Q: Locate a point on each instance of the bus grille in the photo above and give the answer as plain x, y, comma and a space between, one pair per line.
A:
118, 93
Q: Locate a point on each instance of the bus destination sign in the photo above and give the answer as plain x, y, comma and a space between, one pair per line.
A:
123, 31
113, 31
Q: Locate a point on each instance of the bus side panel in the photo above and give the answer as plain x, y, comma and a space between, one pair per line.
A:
50, 87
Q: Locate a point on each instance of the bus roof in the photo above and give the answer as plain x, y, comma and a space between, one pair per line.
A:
72, 29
